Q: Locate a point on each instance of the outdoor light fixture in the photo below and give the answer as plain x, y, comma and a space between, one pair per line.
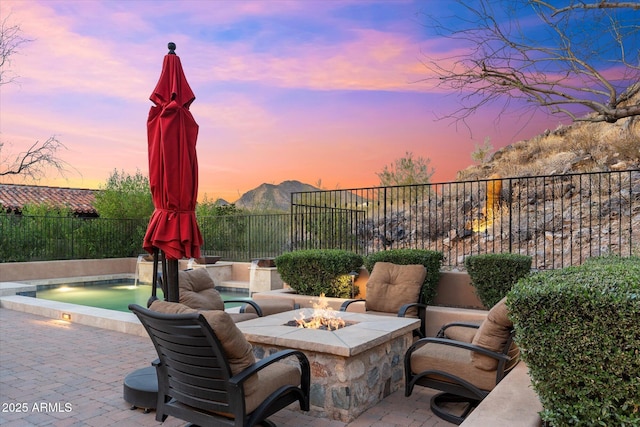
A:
66, 316
354, 275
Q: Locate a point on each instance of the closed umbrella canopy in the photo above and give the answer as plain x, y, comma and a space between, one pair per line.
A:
173, 165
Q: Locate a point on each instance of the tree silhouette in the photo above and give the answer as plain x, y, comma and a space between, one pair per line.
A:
572, 60
33, 162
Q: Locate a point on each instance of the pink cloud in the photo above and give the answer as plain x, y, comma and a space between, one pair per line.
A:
332, 108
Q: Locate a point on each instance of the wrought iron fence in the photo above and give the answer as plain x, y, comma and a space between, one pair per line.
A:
558, 220
245, 237
42, 238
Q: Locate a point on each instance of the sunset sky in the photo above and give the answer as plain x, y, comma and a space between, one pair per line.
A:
285, 90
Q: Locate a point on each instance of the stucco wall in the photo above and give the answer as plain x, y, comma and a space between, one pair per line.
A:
20, 271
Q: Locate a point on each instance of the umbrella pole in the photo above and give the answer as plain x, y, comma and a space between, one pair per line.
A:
164, 275
172, 281
154, 280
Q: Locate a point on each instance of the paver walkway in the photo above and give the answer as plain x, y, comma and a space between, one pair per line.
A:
55, 373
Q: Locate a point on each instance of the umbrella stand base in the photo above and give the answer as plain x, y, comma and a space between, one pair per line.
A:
141, 389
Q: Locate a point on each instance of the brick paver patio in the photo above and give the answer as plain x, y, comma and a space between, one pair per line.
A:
54, 373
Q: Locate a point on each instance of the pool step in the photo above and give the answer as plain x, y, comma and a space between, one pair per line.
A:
236, 285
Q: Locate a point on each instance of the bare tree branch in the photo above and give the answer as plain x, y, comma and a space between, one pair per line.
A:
35, 161
40, 156
10, 41
559, 65
603, 4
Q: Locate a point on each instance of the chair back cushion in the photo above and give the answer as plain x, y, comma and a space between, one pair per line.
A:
197, 290
391, 285
493, 335
236, 348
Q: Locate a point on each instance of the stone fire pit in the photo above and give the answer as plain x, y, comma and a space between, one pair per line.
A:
352, 368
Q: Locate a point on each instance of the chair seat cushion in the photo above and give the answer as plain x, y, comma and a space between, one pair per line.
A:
270, 379
382, 313
167, 307
197, 290
390, 286
241, 317
460, 333
453, 360
271, 306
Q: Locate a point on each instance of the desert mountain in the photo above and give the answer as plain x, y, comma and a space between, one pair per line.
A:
271, 197
582, 146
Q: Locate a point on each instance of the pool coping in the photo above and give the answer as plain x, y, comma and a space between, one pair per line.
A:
15, 296
113, 320
26, 286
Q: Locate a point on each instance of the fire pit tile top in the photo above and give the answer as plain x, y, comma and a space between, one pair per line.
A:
368, 330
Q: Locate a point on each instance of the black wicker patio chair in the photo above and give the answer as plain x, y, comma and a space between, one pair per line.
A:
208, 376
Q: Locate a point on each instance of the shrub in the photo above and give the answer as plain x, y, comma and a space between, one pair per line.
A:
493, 275
578, 332
432, 260
317, 271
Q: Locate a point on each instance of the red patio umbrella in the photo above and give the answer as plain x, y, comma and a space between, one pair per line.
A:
173, 172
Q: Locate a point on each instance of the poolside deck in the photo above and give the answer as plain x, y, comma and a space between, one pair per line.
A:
76, 371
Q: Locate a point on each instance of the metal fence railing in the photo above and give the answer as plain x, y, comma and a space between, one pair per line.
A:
558, 220
43, 238
40, 238
245, 237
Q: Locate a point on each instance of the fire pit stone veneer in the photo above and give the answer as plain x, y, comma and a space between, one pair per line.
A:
352, 368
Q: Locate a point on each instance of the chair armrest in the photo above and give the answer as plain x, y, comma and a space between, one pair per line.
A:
240, 378
348, 302
440, 333
402, 312
444, 341
253, 304
422, 308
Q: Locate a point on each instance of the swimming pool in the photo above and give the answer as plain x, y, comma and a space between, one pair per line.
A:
111, 294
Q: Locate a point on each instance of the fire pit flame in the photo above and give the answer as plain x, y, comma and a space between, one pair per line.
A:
323, 317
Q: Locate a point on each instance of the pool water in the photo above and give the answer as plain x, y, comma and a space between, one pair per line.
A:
113, 295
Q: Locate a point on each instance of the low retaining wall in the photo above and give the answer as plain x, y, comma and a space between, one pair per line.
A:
512, 403
21, 271
454, 288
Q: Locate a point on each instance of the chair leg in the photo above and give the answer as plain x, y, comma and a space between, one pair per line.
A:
442, 398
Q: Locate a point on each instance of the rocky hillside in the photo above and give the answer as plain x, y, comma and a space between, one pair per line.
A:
270, 197
556, 218
579, 147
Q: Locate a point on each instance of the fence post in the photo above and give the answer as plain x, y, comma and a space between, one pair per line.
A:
510, 207
384, 213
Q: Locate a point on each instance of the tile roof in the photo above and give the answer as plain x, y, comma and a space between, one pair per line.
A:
14, 197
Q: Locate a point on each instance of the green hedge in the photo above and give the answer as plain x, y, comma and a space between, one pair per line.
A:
579, 331
432, 260
493, 275
317, 271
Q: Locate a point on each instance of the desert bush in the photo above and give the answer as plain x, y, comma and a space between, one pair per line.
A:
319, 271
578, 332
627, 146
493, 275
432, 260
